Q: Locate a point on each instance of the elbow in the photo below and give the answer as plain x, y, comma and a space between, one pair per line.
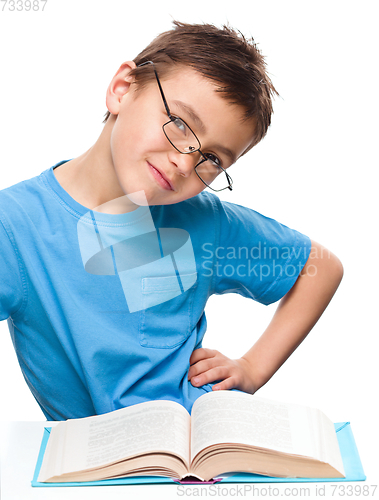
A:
337, 270
327, 264
340, 268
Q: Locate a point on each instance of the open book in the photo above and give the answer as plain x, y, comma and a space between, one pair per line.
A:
227, 431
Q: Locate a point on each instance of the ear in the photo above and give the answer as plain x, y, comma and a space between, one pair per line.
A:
119, 86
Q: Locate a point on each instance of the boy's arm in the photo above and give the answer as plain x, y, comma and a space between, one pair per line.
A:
297, 313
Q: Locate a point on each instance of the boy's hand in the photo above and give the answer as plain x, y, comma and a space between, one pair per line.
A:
208, 365
297, 313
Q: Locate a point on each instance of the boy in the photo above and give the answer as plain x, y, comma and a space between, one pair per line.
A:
107, 260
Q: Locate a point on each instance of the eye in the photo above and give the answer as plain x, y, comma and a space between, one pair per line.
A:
180, 125
213, 159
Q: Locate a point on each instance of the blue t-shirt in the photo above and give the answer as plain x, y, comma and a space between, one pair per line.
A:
95, 331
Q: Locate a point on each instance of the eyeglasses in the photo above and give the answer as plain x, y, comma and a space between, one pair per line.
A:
183, 139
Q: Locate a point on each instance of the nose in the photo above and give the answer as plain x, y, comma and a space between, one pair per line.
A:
185, 163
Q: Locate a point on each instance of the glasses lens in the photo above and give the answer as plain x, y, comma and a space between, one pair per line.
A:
185, 141
181, 136
212, 175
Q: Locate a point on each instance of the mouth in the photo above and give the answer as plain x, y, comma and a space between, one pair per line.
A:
160, 178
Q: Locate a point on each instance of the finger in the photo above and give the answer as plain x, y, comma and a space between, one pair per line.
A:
202, 366
200, 354
225, 385
218, 373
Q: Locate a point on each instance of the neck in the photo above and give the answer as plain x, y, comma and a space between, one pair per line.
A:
91, 179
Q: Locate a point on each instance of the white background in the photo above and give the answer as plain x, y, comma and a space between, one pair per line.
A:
316, 170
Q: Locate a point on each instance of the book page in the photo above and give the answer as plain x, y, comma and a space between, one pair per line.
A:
152, 426
328, 444
235, 417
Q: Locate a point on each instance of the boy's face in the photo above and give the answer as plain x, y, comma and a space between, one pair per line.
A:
141, 154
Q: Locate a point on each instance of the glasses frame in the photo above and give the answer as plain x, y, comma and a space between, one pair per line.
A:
172, 119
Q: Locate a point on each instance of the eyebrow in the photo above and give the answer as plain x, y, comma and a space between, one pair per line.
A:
192, 114
227, 152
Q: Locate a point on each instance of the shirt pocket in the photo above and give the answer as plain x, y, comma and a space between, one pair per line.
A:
169, 323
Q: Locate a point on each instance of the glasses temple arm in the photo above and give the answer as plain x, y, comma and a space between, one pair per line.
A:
160, 87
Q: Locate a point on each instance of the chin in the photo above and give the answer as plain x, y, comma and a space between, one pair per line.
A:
139, 198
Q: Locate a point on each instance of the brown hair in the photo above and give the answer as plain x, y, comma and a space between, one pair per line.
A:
224, 56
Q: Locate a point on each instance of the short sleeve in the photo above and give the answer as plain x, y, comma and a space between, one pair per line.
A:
11, 287
256, 256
